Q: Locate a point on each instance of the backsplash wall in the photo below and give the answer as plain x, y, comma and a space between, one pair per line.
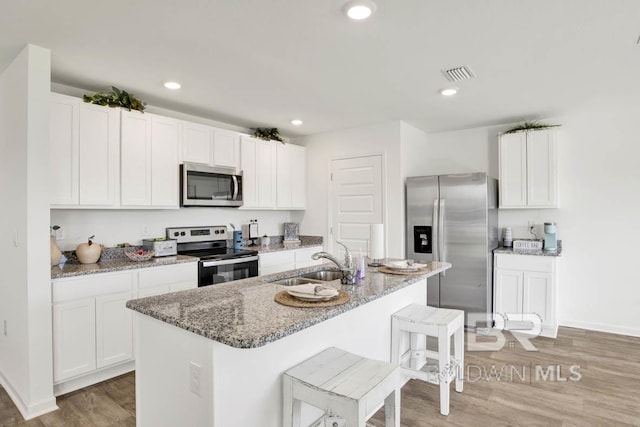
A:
119, 226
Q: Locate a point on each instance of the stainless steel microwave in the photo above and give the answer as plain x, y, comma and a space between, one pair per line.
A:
203, 185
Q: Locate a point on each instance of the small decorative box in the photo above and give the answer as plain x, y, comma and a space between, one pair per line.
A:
527, 245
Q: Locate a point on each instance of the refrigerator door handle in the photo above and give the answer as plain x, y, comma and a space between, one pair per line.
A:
441, 241
434, 231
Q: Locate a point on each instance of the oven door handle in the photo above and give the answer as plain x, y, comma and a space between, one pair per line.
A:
228, 261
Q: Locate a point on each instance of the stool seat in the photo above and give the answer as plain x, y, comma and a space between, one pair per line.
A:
343, 384
420, 320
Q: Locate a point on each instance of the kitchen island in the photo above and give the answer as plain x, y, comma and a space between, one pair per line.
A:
214, 356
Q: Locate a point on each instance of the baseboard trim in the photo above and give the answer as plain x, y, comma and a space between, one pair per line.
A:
601, 327
95, 377
27, 411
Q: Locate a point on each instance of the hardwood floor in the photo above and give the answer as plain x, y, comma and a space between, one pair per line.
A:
501, 389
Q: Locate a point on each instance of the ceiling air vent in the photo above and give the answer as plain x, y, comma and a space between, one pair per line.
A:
458, 74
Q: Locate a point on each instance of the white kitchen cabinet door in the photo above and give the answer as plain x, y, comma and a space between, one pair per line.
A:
197, 143
266, 174
513, 170
135, 159
508, 298
542, 169
538, 296
303, 257
99, 163
284, 176
83, 153
298, 177
291, 176
74, 338
248, 163
63, 150
226, 148
258, 163
528, 170
114, 329
276, 262
165, 177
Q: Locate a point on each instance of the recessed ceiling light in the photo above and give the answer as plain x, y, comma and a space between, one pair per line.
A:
172, 85
296, 122
450, 91
359, 9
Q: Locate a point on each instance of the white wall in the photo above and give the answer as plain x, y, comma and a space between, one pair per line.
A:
599, 191
25, 285
322, 148
119, 226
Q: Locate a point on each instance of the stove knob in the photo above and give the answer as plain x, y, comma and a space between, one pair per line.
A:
182, 233
217, 231
176, 234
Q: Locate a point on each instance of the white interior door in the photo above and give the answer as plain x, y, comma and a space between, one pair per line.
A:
356, 201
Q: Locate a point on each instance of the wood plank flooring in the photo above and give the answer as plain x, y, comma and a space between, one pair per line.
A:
501, 390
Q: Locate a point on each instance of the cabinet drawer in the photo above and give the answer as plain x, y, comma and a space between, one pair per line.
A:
276, 262
543, 264
167, 275
90, 286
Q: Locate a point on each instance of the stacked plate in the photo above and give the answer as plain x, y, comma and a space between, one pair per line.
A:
312, 292
405, 265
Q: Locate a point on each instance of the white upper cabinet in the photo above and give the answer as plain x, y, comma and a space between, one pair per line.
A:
291, 176
258, 163
226, 148
528, 169
149, 160
210, 146
83, 153
197, 143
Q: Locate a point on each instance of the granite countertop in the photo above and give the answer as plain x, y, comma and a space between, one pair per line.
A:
536, 252
305, 242
74, 268
243, 314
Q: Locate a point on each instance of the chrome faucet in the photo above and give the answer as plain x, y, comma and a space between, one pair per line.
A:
348, 271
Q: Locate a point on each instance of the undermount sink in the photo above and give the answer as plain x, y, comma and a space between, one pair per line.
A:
323, 275
293, 281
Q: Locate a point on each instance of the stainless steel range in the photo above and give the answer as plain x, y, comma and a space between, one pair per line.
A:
218, 263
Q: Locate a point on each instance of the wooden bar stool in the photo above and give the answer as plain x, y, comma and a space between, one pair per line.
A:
439, 367
343, 384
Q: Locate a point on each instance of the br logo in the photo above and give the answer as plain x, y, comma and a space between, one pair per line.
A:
523, 327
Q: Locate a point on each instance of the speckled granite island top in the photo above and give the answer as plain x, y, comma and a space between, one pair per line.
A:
243, 313
71, 269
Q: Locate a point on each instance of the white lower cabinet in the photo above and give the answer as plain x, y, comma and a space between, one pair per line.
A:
277, 262
93, 329
114, 331
524, 286
74, 338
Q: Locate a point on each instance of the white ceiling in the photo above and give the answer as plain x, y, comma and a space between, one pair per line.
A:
263, 63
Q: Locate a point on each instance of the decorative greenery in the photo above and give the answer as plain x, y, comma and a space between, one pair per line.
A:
268, 134
531, 125
117, 98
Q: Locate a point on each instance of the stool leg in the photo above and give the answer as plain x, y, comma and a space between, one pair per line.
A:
395, 341
444, 361
392, 409
458, 346
290, 405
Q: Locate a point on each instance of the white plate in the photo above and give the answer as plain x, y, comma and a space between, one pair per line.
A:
309, 297
402, 266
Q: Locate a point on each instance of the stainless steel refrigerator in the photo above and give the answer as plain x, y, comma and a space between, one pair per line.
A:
454, 218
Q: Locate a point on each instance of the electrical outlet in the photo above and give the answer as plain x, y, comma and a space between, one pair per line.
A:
145, 229
5, 328
195, 377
